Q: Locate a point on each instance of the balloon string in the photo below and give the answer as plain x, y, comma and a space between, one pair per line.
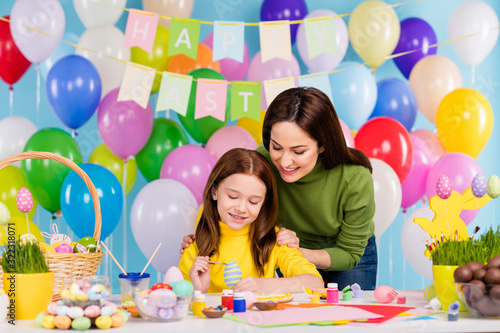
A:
447, 221
11, 100
37, 68
28, 223
391, 272
124, 190
106, 264
404, 259
110, 263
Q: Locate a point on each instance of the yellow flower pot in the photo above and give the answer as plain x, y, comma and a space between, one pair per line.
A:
29, 294
445, 285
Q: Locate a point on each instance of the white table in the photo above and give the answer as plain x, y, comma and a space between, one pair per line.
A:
414, 298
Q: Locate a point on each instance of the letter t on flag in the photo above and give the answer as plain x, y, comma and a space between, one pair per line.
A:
211, 96
245, 100
141, 29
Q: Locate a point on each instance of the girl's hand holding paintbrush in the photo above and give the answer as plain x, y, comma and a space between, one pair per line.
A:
200, 274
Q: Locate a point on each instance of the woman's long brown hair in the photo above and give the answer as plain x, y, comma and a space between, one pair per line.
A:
262, 233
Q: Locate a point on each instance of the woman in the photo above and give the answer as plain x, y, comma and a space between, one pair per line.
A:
325, 189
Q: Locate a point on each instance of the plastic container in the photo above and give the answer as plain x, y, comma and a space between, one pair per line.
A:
480, 300
239, 304
332, 293
130, 284
85, 290
227, 298
170, 308
199, 304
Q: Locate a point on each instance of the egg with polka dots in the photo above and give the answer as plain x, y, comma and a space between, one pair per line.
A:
479, 185
24, 200
443, 187
494, 186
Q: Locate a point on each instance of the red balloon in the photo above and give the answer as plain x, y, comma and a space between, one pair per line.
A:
12, 62
388, 140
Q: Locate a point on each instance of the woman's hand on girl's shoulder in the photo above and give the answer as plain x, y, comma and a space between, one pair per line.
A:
186, 242
288, 237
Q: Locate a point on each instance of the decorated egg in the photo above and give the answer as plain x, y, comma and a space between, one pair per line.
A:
82, 323
62, 247
62, 322
103, 322
62, 310
92, 311
46, 248
108, 310
181, 308
75, 312
160, 285
494, 186
148, 309
385, 294
85, 245
173, 274
163, 298
117, 320
24, 200
84, 285
443, 187
4, 214
48, 322
38, 318
479, 185
232, 274
182, 288
166, 313
28, 238
430, 292
52, 308
124, 314
112, 305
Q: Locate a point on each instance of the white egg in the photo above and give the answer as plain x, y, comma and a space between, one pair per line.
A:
173, 274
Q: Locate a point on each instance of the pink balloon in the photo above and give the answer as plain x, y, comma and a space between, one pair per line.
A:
231, 69
125, 127
227, 138
349, 139
24, 200
190, 165
460, 168
434, 149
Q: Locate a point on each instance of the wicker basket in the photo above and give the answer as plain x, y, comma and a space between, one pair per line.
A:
67, 264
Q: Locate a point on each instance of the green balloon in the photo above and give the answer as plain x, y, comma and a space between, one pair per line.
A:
201, 129
45, 177
165, 137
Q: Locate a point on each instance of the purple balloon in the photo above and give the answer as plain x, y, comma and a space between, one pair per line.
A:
415, 34
479, 185
278, 10
190, 165
125, 127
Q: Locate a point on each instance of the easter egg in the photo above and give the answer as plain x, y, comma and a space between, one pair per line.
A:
46, 248
232, 274
4, 214
75, 312
85, 245
166, 313
117, 320
494, 186
160, 285
63, 247
124, 314
112, 305
385, 294
62, 310
181, 308
479, 185
148, 309
183, 288
39, 318
108, 310
52, 308
430, 292
92, 311
443, 187
27, 238
84, 285
62, 322
24, 200
48, 322
82, 323
162, 298
173, 274
103, 322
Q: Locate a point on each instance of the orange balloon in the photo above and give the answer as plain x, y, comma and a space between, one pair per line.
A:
182, 64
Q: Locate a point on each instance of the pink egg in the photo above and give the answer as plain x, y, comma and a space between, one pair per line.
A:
443, 187
52, 308
24, 200
92, 311
173, 274
385, 294
64, 248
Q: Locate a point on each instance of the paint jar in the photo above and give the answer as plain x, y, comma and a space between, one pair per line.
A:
239, 304
199, 304
227, 298
332, 293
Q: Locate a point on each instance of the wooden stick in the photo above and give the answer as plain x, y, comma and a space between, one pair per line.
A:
114, 259
212, 262
154, 253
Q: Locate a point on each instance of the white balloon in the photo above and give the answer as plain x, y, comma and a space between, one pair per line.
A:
14, 133
103, 44
413, 242
164, 211
388, 195
93, 14
469, 18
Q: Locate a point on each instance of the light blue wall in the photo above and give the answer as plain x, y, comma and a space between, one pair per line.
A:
393, 269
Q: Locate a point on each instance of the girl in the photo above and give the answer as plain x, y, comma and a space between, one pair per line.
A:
237, 223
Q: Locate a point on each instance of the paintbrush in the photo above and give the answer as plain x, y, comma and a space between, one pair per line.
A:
212, 262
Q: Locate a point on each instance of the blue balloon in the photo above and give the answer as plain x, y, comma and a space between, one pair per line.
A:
279, 10
354, 93
77, 204
62, 50
396, 100
74, 90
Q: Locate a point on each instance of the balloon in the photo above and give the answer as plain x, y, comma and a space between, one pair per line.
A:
231, 69
396, 100
73, 90
387, 190
434, 149
163, 212
386, 139
277, 10
324, 61
78, 207
354, 93
201, 129
14, 133
107, 43
125, 127
104, 157
464, 121
431, 79
47, 16
413, 188
413, 242
93, 14
13, 64
468, 18
227, 138
349, 138
479, 185
62, 50
416, 35
182, 64
460, 169
45, 177
443, 187
190, 165
166, 136
12, 182
172, 8
253, 126
374, 31
157, 59
20, 226
24, 200
494, 186
4, 214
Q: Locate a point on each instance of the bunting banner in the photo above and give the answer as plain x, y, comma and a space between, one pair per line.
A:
184, 37
245, 100
141, 29
320, 36
317, 80
273, 88
174, 92
136, 84
211, 98
229, 40
275, 40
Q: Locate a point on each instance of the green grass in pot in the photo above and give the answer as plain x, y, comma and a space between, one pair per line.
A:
24, 258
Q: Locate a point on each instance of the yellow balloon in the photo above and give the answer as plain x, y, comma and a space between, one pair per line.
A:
253, 127
104, 157
374, 31
464, 121
11, 182
18, 225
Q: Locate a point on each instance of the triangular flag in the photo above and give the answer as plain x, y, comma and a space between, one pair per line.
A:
273, 88
184, 37
317, 80
174, 92
141, 29
320, 36
211, 97
275, 40
245, 100
229, 40
136, 84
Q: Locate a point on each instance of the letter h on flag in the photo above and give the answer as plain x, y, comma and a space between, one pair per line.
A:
141, 30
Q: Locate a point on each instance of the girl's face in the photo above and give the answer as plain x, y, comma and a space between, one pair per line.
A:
239, 199
293, 151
